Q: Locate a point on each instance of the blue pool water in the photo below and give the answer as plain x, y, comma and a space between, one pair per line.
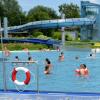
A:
62, 77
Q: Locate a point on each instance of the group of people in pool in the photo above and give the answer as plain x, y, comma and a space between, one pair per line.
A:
48, 63
81, 71
8, 53
29, 59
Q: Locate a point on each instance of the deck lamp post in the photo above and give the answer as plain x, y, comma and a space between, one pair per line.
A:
5, 21
63, 29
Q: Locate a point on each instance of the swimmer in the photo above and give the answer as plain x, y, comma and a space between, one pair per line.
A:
16, 62
6, 51
58, 49
93, 55
61, 57
90, 55
27, 51
31, 60
47, 66
76, 57
82, 71
16, 58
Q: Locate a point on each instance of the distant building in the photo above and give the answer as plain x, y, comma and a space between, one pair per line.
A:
92, 11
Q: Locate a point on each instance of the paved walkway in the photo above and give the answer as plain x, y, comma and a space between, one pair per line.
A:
43, 96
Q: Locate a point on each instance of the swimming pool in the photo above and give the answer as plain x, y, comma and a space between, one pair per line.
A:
62, 77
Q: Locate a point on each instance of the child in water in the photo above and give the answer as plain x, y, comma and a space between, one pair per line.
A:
58, 49
93, 55
16, 58
27, 51
31, 60
61, 57
47, 66
6, 52
82, 71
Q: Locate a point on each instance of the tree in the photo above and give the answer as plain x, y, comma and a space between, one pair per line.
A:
69, 37
13, 12
57, 35
41, 13
36, 33
1, 10
70, 10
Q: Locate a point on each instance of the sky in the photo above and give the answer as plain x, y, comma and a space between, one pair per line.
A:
28, 4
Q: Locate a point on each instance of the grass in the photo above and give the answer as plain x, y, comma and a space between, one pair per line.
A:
21, 46
83, 44
31, 46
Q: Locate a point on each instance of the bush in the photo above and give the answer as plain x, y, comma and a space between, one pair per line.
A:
57, 35
20, 46
43, 37
69, 37
35, 34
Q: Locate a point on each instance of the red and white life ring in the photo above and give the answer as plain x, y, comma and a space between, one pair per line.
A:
28, 75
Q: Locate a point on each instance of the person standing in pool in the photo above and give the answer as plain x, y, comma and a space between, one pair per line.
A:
93, 55
82, 71
26, 50
16, 58
16, 61
47, 66
31, 60
6, 52
58, 49
61, 57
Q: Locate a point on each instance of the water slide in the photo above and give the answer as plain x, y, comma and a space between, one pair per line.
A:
40, 41
57, 23
45, 25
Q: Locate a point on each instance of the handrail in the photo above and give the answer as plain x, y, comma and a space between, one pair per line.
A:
21, 61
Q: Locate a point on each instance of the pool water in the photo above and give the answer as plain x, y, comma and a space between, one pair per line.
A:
62, 77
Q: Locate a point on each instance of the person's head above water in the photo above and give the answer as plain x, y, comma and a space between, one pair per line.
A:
76, 57
47, 60
83, 66
29, 58
16, 57
62, 53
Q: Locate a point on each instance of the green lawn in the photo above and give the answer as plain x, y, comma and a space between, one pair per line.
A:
31, 46
21, 46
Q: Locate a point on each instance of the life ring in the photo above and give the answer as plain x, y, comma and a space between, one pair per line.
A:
28, 75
